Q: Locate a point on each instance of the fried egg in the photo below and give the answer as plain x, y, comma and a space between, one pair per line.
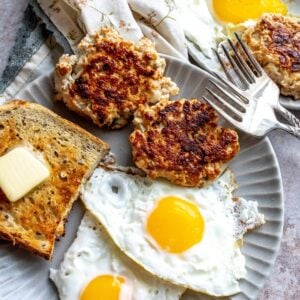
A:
238, 11
187, 236
94, 268
208, 22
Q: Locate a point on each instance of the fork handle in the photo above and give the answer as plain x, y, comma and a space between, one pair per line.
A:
294, 130
288, 116
294, 121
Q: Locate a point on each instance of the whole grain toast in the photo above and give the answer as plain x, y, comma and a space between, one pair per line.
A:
36, 220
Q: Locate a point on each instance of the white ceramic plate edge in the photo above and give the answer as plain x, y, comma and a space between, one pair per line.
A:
256, 164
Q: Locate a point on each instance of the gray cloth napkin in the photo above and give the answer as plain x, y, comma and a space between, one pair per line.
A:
35, 29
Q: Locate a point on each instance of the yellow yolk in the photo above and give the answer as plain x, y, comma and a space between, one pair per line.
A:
175, 224
106, 287
238, 11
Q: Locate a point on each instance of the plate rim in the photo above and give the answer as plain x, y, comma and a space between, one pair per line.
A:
289, 103
276, 169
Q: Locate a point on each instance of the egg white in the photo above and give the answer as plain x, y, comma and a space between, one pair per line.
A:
123, 203
199, 24
293, 7
202, 28
93, 253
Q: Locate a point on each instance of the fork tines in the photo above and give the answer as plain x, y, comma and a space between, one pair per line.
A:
238, 65
232, 109
239, 61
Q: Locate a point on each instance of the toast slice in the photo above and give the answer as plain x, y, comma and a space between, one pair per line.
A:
36, 220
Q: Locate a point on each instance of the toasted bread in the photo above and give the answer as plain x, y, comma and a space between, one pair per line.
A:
36, 220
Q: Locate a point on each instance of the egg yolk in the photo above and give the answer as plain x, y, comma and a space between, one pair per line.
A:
238, 11
175, 224
106, 287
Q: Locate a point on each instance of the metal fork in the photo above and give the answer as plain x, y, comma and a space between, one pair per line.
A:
251, 105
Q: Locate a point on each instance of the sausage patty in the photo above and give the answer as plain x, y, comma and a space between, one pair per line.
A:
110, 77
181, 141
275, 42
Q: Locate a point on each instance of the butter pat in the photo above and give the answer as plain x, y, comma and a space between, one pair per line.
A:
20, 172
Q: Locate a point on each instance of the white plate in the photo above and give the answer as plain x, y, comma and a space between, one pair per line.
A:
289, 103
25, 276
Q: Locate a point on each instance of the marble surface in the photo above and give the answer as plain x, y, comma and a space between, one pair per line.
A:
284, 283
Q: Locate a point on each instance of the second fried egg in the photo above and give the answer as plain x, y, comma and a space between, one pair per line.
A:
238, 11
94, 268
206, 23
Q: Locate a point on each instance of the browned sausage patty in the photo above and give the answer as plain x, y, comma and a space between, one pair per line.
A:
181, 141
110, 77
275, 42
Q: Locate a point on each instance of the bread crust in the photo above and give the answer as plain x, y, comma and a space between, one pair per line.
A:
180, 141
36, 220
